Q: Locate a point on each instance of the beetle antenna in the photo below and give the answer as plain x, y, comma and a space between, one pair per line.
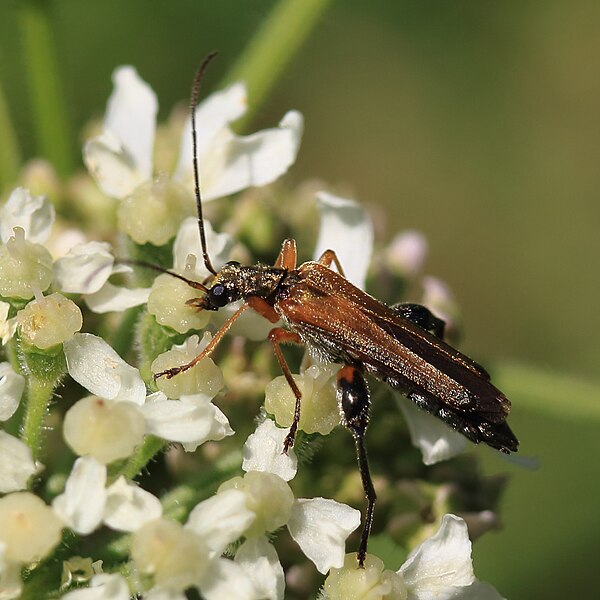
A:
193, 104
147, 265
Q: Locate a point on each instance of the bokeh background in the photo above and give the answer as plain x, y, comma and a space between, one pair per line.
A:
475, 122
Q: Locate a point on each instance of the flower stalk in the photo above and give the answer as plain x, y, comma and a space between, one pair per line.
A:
48, 106
272, 49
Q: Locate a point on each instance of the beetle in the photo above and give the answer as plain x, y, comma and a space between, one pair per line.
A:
401, 345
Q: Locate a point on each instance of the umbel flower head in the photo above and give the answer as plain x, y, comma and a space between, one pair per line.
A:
227, 510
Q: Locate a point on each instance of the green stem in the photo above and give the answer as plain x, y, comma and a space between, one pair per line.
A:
273, 47
39, 394
47, 102
549, 393
143, 454
123, 338
10, 153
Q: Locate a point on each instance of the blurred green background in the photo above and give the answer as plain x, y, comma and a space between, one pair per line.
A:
475, 122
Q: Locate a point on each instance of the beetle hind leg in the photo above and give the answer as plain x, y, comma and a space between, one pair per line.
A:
354, 401
420, 315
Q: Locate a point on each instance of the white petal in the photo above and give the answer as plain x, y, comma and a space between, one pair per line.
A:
11, 583
112, 298
320, 527
81, 505
441, 563
226, 579
121, 158
164, 594
85, 269
35, 214
189, 419
346, 228
220, 428
98, 368
128, 506
221, 519
111, 165
212, 115
7, 326
17, 464
104, 586
235, 163
436, 440
258, 558
11, 389
478, 590
187, 243
263, 451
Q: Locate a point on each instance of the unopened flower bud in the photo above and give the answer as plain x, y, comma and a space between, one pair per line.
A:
175, 556
203, 378
370, 583
268, 496
49, 321
28, 527
104, 429
154, 211
319, 412
24, 267
406, 253
168, 303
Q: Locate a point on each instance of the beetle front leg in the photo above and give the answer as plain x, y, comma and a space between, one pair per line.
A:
278, 336
354, 401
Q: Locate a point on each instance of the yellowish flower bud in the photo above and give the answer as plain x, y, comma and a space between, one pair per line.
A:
24, 267
29, 528
175, 556
268, 496
320, 413
154, 211
203, 378
49, 321
370, 583
167, 302
104, 429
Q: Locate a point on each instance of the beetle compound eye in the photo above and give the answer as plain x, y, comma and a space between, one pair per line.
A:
218, 295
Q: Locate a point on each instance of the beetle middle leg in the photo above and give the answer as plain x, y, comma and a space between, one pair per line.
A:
328, 257
278, 336
354, 401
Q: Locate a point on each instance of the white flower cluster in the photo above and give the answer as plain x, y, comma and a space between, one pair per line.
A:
118, 416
